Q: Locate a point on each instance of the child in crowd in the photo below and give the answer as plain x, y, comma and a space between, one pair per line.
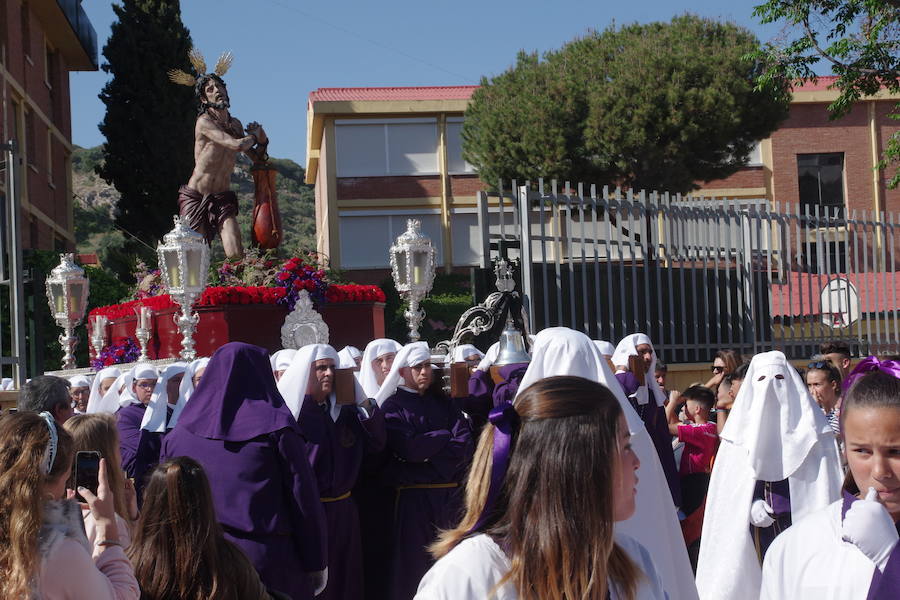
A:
700, 438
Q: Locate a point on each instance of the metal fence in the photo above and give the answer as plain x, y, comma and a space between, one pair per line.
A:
698, 274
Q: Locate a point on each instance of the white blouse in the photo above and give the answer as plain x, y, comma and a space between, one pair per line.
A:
810, 560
472, 569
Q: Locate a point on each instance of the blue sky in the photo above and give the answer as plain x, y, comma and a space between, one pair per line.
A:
284, 49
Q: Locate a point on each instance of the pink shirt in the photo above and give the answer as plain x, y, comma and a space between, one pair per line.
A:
70, 573
699, 447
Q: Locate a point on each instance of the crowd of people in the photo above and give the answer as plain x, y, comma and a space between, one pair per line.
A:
313, 473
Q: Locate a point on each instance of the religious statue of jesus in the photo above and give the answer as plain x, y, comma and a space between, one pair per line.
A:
206, 203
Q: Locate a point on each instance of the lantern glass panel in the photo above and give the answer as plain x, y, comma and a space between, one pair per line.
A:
58, 295
402, 271
170, 258
419, 266
76, 290
193, 261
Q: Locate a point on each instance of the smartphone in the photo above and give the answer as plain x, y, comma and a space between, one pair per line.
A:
87, 472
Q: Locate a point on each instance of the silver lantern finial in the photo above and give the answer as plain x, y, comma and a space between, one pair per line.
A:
184, 264
412, 267
67, 293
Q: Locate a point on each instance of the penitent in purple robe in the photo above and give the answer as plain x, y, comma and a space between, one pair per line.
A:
654, 418
430, 447
335, 450
484, 395
139, 448
238, 427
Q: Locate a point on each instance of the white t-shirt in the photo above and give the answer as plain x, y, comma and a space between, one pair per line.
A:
472, 569
810, 560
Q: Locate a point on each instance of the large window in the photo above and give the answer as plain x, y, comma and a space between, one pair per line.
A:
367, 148
821, 183
455, 162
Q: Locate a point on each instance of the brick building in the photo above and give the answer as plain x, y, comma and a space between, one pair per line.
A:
381, 155
41, 42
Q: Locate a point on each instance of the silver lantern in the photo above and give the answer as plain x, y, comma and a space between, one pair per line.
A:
412, 267
67, 293
184, 264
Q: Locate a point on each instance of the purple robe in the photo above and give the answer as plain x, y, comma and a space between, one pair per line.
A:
335, 450
139, 448
430, 447
778, 495
484, 395
238, 427
654, 418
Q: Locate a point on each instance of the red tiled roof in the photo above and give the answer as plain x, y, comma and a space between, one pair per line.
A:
449, 92
878, 292
823, 83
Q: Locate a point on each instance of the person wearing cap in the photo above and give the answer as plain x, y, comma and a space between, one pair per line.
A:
430, 447
138, 450
338, 433
238, 427
79, 391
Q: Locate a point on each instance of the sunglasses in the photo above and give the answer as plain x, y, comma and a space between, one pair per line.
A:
819, 364
717, 369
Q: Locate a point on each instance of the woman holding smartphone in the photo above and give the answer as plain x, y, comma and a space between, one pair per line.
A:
43, 549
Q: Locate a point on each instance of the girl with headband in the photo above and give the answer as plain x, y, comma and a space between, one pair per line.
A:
550, 479
849, 549
43, 550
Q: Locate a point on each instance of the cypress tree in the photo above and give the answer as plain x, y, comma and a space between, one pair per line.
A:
149, 120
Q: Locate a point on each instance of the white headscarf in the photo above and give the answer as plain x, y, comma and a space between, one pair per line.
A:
461, 352
628, 347
94, 398
109, 402
157, 409
605, 348
139, 371
348, 356
186, 389
563, 351
367, 376
77, 381
775, 431
281, 360
293, 383
410, 355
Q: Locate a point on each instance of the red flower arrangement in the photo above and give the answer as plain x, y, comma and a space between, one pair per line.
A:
218, 296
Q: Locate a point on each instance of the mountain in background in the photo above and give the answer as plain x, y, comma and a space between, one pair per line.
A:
95, 201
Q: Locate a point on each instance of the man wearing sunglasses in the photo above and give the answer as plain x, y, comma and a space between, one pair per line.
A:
137, 449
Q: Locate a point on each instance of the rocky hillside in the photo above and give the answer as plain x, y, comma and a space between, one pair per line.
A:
95, 202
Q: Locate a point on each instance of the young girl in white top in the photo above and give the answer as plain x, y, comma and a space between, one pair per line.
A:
849, 550
549, 480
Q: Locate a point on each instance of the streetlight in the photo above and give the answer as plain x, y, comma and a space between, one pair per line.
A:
412, 267
67, 293
184, 262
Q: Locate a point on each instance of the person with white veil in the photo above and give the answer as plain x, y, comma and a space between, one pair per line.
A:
649, 401
192, 376
563, 351
80, 391
136, 453
103, 381
119, 394
339, 432
466, 353
376, 364
350, 358
430, 446
777, 462
281, 360
154, 421
375, 500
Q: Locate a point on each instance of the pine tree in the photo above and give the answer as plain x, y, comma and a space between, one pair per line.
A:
149, 120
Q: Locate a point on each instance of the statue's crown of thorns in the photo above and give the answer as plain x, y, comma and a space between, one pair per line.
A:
199, 63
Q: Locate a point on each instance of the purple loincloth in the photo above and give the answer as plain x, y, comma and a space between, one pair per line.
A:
205, 214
